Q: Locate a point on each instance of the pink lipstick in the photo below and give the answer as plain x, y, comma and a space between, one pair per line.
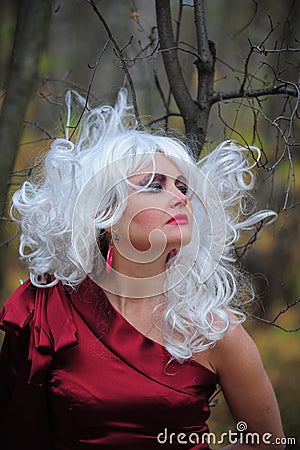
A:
178, 219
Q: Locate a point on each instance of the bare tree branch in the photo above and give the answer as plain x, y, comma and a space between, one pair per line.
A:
10, 238
118, 52
94, 69
273, 321
274, 90
249, 21
163, 118
39, 127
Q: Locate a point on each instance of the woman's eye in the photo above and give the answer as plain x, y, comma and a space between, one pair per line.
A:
183, 188
155, 187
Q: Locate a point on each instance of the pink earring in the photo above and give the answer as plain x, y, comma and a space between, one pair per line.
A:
109, 259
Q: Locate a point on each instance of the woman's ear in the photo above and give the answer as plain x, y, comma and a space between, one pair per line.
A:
110, 234
107, 231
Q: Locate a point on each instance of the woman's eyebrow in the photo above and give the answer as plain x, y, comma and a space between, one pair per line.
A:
182, 178
157, 177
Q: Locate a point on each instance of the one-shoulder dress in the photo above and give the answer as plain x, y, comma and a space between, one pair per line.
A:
75, 375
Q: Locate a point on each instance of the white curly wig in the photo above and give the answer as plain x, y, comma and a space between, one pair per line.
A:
83, 190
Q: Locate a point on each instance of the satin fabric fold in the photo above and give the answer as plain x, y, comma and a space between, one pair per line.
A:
48, 314
96, 382
135, 348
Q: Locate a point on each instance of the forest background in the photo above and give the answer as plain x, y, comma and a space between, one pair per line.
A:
96, 47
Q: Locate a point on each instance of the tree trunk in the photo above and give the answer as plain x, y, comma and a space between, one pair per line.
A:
31, 31
195, 113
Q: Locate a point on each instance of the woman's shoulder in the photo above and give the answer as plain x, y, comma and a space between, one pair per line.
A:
235, 338
244, 381
235, 350
235, 346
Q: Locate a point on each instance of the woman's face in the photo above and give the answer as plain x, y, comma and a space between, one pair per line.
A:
160, 217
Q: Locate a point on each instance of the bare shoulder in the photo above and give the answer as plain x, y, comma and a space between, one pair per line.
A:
236, 354
235, 346
244, 381
213, 357
236, 342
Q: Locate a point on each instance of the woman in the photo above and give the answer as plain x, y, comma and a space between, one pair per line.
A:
132, 312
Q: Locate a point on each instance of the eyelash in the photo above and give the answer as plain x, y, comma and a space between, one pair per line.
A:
156, 187
183, 188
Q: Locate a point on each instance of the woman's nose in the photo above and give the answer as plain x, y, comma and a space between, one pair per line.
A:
178, 197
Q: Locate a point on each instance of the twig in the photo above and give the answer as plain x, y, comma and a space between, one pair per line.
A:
10, 239
35, 141
229, 127
118, 52
72, 85
39, 127
265, 51
94, 69
273, 322
160, 119
249, 21
250, 241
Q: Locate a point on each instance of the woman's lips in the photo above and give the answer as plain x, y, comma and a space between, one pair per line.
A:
179, 219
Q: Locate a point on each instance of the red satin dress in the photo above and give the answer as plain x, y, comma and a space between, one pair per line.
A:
75, 375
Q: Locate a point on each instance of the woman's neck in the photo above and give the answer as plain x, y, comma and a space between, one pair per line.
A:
139, 269
136, 280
